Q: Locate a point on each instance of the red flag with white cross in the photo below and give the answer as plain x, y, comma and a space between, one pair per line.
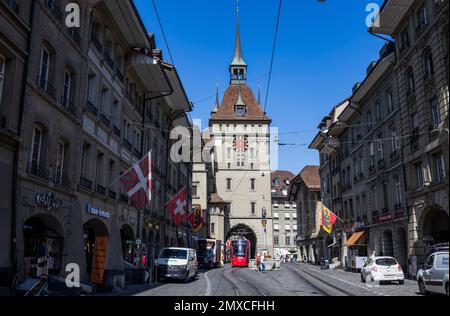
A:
138, 182
178, 206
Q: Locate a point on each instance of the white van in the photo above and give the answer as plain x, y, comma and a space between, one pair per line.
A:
177, 263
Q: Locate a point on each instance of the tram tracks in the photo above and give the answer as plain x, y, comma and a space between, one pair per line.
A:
325, 287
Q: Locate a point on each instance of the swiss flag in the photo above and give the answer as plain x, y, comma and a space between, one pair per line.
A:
178, 206
138, 182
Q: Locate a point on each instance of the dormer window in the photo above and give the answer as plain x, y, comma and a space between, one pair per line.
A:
276, 182
240, 110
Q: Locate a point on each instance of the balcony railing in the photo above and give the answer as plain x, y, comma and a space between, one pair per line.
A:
119, 74
381, 163
62, 180
112, 194
105, 120
85, 183
96, 42
54, 10
127, 144
75, 35
100, 189
38, 171
47, 87
130, 99
91, 108
68, 105
13, 5
109, 60
116, 130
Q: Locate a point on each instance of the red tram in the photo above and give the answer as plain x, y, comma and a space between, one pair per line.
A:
240, 253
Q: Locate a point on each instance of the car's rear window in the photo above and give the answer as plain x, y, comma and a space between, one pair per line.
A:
385, 262
173, 254
442, 261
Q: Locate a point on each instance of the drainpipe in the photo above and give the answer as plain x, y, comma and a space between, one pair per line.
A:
15, 187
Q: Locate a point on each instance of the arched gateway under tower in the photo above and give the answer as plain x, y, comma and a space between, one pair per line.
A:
242, 231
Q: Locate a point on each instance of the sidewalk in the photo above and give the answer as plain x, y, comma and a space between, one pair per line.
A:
130, 289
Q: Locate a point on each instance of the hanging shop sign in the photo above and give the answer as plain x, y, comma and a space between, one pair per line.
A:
91, 209
48, 200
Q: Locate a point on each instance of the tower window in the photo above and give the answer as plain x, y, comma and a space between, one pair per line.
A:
240, 110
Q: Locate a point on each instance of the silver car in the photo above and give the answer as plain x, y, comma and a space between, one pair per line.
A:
433, 276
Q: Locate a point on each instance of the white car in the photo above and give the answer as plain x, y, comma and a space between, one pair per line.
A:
433, 277
177, 263
382, 269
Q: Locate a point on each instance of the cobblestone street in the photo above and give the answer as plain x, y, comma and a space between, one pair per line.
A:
291, 280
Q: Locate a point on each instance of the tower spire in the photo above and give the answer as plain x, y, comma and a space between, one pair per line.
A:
238, 58
238, 67
217, 103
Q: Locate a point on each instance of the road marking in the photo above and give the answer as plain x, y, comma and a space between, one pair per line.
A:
208, 284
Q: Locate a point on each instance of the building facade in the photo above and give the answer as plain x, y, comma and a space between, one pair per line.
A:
284, 214
305, 193
15, 23
420, 30
388, 145
89, 115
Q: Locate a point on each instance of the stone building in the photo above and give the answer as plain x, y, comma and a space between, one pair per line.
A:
240, 130
15, 22
97, 99
391, 141
420, 30
284, 214
305, 193
330, 175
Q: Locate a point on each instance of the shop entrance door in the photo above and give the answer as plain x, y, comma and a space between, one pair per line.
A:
43, 246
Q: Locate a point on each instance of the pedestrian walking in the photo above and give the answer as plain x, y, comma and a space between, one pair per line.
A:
258, 262
263, 266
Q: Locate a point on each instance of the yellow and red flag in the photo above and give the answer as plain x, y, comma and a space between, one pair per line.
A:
328, 219
197, 219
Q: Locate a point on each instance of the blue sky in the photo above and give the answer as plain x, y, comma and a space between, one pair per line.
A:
323, 49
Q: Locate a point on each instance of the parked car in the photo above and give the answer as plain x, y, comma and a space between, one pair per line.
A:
382, 269
177, 263
433, 275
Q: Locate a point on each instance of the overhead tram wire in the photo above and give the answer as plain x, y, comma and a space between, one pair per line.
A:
273, 54
163, 33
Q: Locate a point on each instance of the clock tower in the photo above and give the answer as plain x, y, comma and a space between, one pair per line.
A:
241, 134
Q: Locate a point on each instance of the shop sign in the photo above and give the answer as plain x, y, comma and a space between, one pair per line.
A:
48, 200
91, 209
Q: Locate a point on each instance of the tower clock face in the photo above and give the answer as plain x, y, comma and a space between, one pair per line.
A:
240, 143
